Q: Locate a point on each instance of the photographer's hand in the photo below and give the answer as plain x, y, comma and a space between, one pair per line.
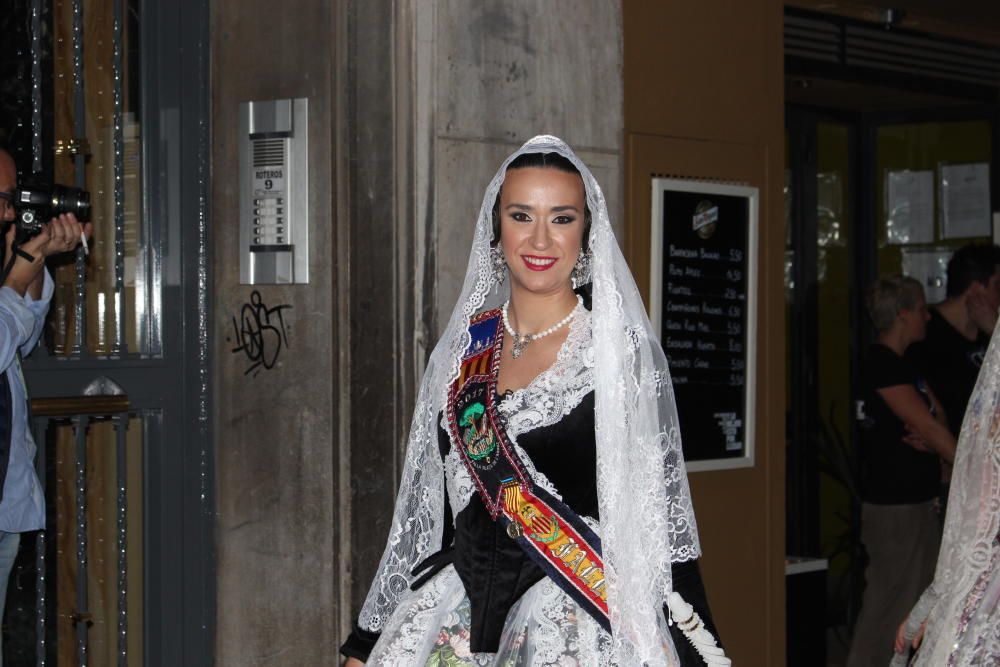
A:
61, 234
65, 234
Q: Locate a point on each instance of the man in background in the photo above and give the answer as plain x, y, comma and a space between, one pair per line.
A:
24, 302
959, 330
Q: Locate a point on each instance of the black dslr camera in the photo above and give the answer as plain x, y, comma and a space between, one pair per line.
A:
37, 203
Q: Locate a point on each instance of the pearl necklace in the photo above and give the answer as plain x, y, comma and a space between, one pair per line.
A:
521, 340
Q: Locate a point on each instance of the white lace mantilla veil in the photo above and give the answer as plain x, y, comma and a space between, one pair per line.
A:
961, 604
646, 517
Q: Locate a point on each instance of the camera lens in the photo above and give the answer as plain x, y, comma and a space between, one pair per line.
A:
71, 200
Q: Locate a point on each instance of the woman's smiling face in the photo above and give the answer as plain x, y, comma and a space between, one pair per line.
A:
541, 227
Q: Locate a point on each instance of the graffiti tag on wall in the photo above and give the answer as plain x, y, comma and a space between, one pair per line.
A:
259, 332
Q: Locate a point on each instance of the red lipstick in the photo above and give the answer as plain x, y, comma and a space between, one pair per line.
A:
538, 263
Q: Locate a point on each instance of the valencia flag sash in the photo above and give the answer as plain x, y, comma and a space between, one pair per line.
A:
551, 533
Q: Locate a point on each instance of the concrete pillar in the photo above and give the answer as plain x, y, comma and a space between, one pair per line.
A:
274, 426
500, 73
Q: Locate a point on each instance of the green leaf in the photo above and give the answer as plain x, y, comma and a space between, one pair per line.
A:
474, 411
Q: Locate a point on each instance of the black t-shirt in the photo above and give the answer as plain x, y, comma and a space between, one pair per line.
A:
950, 363
892, 472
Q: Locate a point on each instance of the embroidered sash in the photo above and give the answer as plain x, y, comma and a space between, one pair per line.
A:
551, 534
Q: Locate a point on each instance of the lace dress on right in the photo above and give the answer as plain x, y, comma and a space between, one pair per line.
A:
962, 605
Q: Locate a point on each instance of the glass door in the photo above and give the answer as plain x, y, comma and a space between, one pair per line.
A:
865, 195
821, 294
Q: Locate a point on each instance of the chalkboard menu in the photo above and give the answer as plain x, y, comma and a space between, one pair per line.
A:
702, 304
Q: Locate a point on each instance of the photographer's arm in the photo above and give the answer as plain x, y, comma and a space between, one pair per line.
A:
39, 307
24, 272
17, 320
64, 236
36, 287
61, 234
31, 279
20, 321
16, 324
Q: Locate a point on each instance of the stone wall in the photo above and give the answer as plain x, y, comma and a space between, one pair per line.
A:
504, 72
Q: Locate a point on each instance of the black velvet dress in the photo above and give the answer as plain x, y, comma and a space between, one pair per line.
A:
494, 571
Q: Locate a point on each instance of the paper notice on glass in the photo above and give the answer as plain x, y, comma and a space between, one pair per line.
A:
965, 200
930, 267
829, 205
910, 207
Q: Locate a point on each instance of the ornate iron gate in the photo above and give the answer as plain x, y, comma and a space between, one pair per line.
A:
118, 105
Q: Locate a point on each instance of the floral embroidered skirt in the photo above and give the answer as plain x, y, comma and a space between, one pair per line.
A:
430, 628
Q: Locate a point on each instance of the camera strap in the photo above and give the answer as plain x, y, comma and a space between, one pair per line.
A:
22, 254
10, 263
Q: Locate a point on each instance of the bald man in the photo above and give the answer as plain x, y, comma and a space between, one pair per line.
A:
24, 302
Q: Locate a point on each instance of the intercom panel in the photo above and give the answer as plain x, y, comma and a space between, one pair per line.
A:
274, 192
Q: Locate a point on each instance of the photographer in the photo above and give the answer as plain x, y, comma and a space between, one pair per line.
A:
24, 302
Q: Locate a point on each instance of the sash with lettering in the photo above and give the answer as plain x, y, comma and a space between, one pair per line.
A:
551, 534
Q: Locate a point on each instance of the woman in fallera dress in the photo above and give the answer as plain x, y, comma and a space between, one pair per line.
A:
956, 621
543, 516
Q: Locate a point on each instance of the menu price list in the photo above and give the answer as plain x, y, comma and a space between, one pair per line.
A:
704, 317
704, 327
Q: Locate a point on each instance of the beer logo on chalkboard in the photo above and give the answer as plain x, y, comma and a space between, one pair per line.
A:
706, 219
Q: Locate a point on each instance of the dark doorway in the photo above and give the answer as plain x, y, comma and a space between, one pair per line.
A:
868, 149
